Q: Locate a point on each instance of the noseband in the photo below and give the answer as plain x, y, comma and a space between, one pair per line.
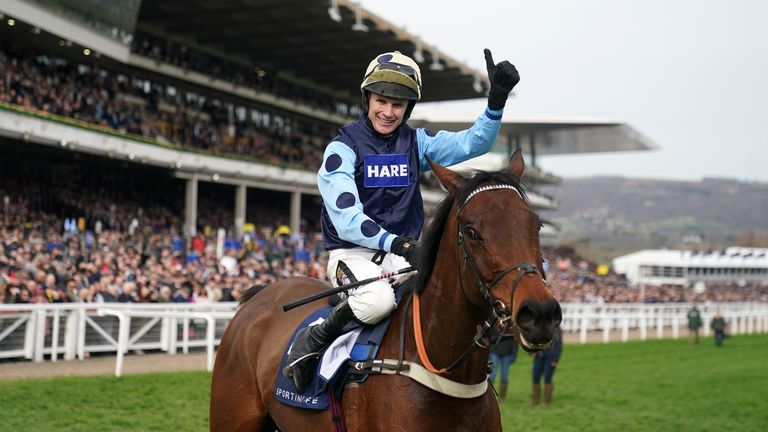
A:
502, 315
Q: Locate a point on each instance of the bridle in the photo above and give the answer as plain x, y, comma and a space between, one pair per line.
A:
501, 314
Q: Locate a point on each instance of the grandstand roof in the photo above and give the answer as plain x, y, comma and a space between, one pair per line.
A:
299, 39
296, 40
552, 136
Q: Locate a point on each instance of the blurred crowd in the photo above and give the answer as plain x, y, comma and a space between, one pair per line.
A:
139, 256
82, 238
47, 260
575, 280
137, 106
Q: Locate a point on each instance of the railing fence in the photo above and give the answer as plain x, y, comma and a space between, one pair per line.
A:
71, 331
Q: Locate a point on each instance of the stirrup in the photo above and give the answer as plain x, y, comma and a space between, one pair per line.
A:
288, 369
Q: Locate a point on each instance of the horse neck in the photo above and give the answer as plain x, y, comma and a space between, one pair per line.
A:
449, 321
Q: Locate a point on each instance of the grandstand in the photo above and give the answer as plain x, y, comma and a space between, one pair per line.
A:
228, 107
734, 265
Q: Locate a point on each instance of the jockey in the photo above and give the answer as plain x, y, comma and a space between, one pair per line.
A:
373, 210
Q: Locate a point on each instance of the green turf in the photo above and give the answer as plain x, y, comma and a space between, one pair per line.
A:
150, 402
635, 386
649, 386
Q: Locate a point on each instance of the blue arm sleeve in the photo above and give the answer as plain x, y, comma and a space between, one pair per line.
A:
342, 202
449, 148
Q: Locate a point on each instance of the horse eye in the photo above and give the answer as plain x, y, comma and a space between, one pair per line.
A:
471, 233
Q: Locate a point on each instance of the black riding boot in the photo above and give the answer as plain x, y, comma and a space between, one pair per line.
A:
309, 343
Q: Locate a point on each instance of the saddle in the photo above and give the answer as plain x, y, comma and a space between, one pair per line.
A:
352, 358
357, 344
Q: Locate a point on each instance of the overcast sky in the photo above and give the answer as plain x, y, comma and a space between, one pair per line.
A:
692, 76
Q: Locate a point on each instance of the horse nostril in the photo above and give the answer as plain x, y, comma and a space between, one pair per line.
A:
526, 317
557, 313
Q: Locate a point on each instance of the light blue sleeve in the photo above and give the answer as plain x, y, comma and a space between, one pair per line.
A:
342, 202
449, 148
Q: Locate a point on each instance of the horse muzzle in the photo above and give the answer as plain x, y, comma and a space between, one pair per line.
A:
536, 322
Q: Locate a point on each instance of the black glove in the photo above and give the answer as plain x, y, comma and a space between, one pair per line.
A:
407, 248
503, 78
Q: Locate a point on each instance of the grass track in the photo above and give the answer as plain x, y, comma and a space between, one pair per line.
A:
649, 386
635, 386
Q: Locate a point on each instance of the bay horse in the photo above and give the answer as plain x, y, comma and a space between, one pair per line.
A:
482, 266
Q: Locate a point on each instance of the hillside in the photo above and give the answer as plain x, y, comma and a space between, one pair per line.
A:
619, 215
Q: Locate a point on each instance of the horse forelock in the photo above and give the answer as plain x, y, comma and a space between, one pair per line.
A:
434, 232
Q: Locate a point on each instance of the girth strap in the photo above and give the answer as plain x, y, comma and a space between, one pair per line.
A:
421, 375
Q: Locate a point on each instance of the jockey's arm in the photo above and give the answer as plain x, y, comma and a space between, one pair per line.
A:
449, 148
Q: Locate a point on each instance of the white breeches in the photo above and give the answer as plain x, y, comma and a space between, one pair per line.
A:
374, 301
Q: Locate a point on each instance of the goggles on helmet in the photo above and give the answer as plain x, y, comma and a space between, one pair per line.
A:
394, 75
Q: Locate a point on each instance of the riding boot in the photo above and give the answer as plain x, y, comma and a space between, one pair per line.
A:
311, 341
536, 396
548, 389
503, 391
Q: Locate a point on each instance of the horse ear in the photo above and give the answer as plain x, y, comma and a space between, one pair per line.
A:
517, 164
450, 180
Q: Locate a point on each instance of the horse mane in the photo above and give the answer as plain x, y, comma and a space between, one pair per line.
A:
434, 232
250, 292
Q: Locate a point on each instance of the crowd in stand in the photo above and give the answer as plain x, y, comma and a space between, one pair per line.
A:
156, 111
83, 239
141, 258
46, 260
574, 280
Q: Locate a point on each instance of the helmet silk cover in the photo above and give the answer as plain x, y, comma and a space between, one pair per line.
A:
393, 75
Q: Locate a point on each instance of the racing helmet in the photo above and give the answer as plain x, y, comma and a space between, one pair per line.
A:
393, 75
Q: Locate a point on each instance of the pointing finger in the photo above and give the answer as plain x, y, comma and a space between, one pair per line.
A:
489, 59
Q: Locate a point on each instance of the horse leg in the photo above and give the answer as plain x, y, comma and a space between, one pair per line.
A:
235, 408
236, 402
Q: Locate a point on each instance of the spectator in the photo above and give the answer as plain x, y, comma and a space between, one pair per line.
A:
718, 325
544, 364
694, 324
503, 355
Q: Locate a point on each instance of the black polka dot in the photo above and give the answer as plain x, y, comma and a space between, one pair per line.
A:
345, 200
333, 162
369, 228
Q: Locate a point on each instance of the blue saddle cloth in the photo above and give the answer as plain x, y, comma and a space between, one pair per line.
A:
316, 396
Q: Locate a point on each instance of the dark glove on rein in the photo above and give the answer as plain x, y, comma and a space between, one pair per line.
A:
503, 78
407, 248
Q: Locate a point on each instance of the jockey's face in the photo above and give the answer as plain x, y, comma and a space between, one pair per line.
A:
386, 113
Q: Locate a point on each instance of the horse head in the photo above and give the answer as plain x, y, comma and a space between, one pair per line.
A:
497, 255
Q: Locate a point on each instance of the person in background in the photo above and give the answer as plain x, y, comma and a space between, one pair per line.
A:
503, 355
694, 324
718, 325
373, 211
544, 364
